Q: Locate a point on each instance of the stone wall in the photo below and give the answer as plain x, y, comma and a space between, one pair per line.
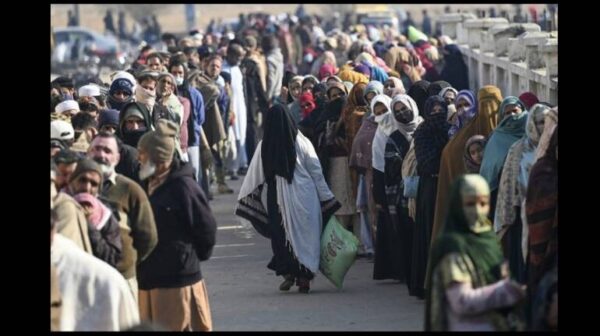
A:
513, 57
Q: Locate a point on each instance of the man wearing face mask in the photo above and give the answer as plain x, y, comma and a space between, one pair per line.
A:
235, 52
138, 229
134, 121
468, 280
145, 92
108, 121
172, 291
120, 93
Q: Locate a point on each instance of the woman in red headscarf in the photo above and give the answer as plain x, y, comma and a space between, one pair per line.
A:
307, 103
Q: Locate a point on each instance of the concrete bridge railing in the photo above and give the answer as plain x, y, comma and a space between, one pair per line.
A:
516, 57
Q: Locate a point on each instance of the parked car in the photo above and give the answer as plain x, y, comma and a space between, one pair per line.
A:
379, 19
79, 45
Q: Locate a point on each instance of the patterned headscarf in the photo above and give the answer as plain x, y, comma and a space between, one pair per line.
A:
549, 125
515, 173
466, 115
533, 133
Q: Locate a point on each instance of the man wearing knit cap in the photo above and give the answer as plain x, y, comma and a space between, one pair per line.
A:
138, 229
120, 93
108, 121
186, 229
66, 162
103, 221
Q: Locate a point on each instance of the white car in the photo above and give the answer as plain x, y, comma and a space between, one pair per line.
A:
87, 45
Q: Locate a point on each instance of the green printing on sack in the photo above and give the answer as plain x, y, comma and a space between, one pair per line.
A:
338, 252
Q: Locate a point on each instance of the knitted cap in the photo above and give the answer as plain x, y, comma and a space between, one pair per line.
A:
86, 165
160, 143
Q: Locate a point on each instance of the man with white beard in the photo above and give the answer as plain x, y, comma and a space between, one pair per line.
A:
172, 290
138, 228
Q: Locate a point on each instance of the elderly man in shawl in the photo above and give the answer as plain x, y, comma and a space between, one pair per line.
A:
286, 198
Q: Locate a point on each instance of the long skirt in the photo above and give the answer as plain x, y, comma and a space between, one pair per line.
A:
511, 242
388, 249
341, 185
427, 191
283, 262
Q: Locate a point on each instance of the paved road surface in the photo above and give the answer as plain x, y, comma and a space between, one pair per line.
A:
244, 293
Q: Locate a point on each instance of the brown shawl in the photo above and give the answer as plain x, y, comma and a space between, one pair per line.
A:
451, 165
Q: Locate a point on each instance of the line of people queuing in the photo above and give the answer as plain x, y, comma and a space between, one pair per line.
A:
440, 183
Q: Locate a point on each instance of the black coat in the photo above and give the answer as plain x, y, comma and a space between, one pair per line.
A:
256, 97
106, 242
455, 69
128, 164
186, 232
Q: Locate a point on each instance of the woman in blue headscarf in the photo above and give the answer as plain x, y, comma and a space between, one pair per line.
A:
512, 117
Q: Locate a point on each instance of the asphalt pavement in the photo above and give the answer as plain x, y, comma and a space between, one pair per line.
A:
244, 294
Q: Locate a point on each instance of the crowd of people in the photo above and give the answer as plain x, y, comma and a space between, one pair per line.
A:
451, 190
